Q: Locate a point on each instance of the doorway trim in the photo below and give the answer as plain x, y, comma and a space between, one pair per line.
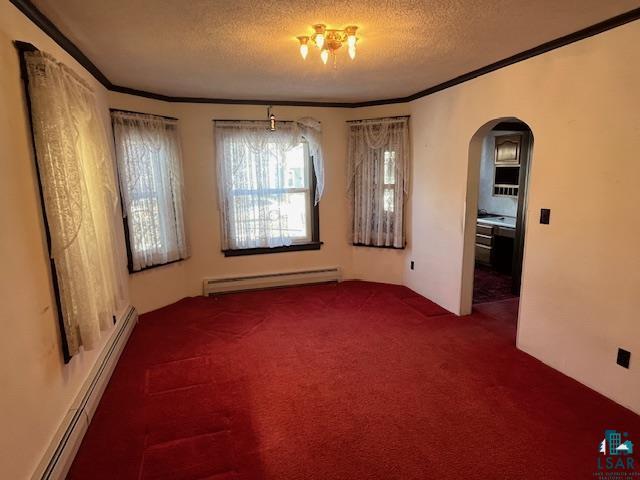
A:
471, 208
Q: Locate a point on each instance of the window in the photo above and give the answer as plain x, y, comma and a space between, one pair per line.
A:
378, 180
267, 186
149, 165
79, 197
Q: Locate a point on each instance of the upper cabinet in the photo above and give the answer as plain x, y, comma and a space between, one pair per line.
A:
507, 165
508, 149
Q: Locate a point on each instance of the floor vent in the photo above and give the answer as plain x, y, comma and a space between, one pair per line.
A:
212, 286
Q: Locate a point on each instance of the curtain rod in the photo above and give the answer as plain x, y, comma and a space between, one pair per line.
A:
249, 120
398, 117
142, 113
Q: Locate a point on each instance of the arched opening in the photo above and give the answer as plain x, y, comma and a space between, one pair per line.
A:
500, 154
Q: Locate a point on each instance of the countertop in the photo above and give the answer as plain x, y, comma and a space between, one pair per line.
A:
505, 221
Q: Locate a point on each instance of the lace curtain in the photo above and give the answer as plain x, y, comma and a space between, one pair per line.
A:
378, 180
150, 170
251, 181
80, 197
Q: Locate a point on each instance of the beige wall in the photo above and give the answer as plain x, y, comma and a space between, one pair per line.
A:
580, 292
36, 388
163, 285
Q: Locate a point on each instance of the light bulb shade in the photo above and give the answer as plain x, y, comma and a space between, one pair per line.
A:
352, 52
304, 51
319, 40
324, 55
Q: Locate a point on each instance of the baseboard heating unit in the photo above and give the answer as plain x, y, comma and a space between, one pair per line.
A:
58, 458
212, 286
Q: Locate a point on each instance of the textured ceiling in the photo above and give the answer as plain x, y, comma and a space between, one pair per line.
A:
243, 49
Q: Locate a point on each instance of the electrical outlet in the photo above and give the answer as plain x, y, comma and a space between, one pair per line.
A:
624, 357
412, 265
545, 216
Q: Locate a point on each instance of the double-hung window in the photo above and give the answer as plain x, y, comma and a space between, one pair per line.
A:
267, 188
150, 170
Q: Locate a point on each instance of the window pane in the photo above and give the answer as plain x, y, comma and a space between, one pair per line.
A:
389, 167
295, 168
295, 211
270, 219
389, 199
145, 221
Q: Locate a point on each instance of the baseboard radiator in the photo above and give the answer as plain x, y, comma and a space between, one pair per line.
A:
57, 460
212, 286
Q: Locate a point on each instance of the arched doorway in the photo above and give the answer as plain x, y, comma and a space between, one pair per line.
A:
500, 155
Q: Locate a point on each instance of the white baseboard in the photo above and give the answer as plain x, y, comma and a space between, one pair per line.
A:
59, 456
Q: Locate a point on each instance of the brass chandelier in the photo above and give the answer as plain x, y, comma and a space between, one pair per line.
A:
329, 41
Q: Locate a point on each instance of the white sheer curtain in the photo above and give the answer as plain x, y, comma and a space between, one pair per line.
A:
378, 180
251, 181
80, 196
150, 170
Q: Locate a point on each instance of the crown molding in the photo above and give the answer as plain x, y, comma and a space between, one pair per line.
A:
48, 27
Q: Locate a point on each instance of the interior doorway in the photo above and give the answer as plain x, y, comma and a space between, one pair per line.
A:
499, 163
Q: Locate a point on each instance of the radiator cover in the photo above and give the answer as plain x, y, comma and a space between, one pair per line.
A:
237, 283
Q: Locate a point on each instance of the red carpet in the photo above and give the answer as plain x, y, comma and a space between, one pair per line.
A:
350, 381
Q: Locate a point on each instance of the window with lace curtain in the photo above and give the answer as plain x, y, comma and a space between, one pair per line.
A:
378, 176
268, 187
150, 170
79, 196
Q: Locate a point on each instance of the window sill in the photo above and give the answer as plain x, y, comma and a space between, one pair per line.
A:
377, 246
156, 265
286, 248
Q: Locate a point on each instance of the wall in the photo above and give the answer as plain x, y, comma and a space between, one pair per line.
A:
487, 201
581, 274
37, 389
163, 285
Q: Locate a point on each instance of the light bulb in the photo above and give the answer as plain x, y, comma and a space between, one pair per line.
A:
324, 55
351, 35
318, 37
352, 52
304, 47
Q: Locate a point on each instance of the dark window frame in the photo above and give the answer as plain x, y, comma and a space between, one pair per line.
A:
125, 214
314, 244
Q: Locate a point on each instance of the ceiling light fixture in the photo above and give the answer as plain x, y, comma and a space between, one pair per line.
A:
328, 41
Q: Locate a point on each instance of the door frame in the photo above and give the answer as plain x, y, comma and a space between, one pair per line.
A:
471, 208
